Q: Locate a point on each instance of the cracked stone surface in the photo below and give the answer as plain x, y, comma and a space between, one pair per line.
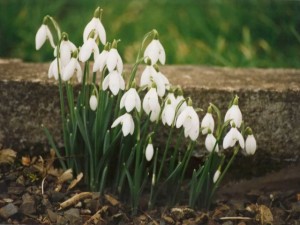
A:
269, 101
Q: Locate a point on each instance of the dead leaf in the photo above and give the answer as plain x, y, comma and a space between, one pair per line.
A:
265, 215
67, 175
75, 199
111, 200
7, 156
26, 161
75, 181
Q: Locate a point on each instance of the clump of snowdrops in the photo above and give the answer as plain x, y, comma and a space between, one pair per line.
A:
112, 125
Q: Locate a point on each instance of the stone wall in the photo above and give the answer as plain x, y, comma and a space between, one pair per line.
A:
269, 100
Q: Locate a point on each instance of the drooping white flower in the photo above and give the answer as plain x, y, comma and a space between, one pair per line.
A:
232, 137
42, 35
100, 61
207, 123
131, 100
149, 151
216, 176
95, 25
87, 49
210, 143
93, 102
114, 81
155, 51
127, 123
150, 76
53, 70
189, 119
250, 144
114, 61
66, 48
151, 104
72, 67
175, 101
235, 115
168, 114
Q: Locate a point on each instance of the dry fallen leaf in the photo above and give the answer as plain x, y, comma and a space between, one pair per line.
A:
111, 200
75, 181
26, 161
265, 215
7, 156
67, 175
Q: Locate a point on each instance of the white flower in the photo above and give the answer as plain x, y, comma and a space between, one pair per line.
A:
210, 143
150, 76
93, 102
155, 51
96, 25
53, 69
66, 48
100, 61
151, 104
149, 152
189, 119
216, 176
131, 100
72, 67
87, 49
207, 123
232, 137
176, 101
114, 81
42, 35
114, 61
235, 115
250, 145
127, 124
168, 114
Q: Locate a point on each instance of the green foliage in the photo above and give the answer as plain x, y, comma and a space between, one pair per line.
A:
235, 33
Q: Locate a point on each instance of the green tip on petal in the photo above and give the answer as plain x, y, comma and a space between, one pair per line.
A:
209, 131
233, 125
155, 34
169, 102
98, 12
92, 34
148, 61
74, 54
236, 100
189, 102
156, 67
209, 109
65, 36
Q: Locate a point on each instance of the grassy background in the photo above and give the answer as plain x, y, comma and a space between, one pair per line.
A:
235, 33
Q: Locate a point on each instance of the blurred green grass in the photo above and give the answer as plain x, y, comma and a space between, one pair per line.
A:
234, 33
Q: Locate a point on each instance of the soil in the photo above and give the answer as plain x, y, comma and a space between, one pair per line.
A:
27, 197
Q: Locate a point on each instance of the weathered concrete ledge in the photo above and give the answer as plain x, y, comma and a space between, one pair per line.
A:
269, 100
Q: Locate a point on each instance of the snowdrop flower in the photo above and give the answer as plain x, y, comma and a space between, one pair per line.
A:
155, 51
150, 76
100, 60
250, 144
131, 100
175, 101
216, 176
208, 122
127, 124
114, 60
232, 137
168, 114
151, 104
66, 49
53, 70
43, 34
87, 49
189, 119
149, 151
210, 142
114, 81
95, 25
72, 67
93, 102
234, 114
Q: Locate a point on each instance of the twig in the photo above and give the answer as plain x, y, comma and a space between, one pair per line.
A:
75, 199
235, 218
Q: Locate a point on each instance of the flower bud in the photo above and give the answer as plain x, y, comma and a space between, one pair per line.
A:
93, 102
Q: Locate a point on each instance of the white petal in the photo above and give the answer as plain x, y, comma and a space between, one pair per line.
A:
105, 82
65, 53
79, 72
88, 29
228, 140
122, 102
149, 152
101, 31
126, 127
241, 140
210, 142
152, 51
40, 37
112, 59
181, 118
114, 84
119, 64
50, 37
162, 53
207, 123
137, 101
168, 114
69, 70
216, 176
100, 61
250, 145
86, 50
130, 101
117, 121
93, 102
